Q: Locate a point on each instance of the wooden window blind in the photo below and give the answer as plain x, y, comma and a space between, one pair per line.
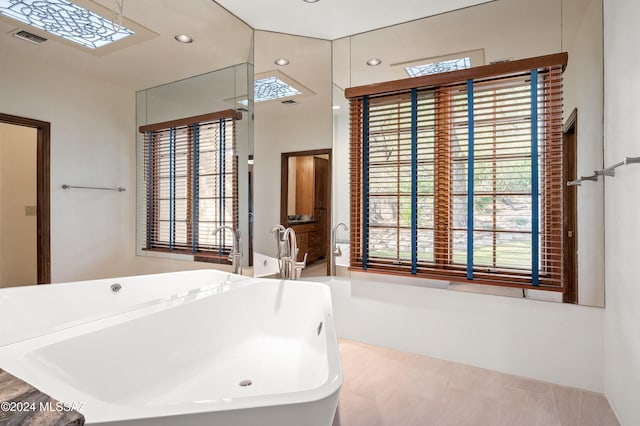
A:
191, 180
458, 176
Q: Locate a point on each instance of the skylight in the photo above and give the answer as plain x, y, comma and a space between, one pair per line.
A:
270, 88
438, 67
65, 19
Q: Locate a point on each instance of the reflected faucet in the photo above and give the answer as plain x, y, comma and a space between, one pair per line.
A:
335, 249
279, 230
236, 250
291, 267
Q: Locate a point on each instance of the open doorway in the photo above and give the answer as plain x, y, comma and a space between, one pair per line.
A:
24, 194
305, 204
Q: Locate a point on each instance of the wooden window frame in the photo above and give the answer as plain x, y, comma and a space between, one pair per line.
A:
214, 254
551, 220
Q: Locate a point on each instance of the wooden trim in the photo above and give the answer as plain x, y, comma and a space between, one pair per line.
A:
442, 235
43, 188
570, 219
572, 122
284, 193
213, 116
483, 71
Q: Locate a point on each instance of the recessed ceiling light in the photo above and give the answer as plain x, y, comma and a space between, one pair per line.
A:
281, 62
183, 38
374, 62
311, 1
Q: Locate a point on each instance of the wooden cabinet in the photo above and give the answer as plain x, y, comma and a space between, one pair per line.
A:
312, 199
307, 238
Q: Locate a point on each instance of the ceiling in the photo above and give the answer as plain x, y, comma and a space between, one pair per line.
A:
333, 19
157, 60
220, 38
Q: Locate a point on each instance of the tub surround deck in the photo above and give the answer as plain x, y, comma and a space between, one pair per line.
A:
23, 404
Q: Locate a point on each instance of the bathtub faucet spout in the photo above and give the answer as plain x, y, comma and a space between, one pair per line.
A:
279, 230
335, 248
235, 256
292, 268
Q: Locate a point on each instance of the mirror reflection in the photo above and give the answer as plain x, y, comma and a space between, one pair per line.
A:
526, 29
195, 142
293, 115
306, 181
489, 33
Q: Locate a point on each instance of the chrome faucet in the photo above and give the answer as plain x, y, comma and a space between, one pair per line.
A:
236, 250
335, 249
279, 230
292, 268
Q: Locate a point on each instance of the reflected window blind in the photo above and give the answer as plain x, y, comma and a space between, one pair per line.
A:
191, 180
459, 176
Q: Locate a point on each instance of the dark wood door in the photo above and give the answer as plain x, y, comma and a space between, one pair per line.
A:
321, 201
570, 221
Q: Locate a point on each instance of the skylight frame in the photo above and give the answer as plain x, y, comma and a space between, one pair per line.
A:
476, 58
70, 21
438, 67
297, 90
272, 88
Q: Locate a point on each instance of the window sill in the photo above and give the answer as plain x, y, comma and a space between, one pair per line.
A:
442, 281
185, 255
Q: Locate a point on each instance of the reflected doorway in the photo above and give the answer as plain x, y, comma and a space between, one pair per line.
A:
305, 204
24, 201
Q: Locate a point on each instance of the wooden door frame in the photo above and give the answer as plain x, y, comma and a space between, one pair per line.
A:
569, 203
43, 129
284, 192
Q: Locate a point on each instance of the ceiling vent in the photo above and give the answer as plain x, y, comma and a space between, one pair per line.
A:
30, 37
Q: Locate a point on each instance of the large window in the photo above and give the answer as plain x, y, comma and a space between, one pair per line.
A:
191, 180
459, 175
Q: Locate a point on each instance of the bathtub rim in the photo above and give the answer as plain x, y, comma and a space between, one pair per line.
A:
7, 292
103, 409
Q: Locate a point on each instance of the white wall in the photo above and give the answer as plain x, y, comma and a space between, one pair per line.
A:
583, 89
18, 231
281, 128
92, 143
622, 203
541, 340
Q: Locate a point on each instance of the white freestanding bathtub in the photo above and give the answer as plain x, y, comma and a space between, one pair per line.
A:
187, 348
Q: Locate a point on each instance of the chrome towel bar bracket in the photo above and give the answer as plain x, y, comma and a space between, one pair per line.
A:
609, 171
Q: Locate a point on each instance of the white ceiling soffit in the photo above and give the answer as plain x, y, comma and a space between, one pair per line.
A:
334, 19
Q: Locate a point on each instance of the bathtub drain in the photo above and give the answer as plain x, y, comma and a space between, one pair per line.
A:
245, 383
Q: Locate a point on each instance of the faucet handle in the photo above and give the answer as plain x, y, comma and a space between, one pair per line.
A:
337, 251
299, 266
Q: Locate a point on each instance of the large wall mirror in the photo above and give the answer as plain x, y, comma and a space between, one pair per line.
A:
293, 140
488, 33
221, 90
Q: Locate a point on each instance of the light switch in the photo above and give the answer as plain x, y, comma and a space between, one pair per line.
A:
30, 211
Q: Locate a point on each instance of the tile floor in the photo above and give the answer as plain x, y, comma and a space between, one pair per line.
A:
316, 269
388, 387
